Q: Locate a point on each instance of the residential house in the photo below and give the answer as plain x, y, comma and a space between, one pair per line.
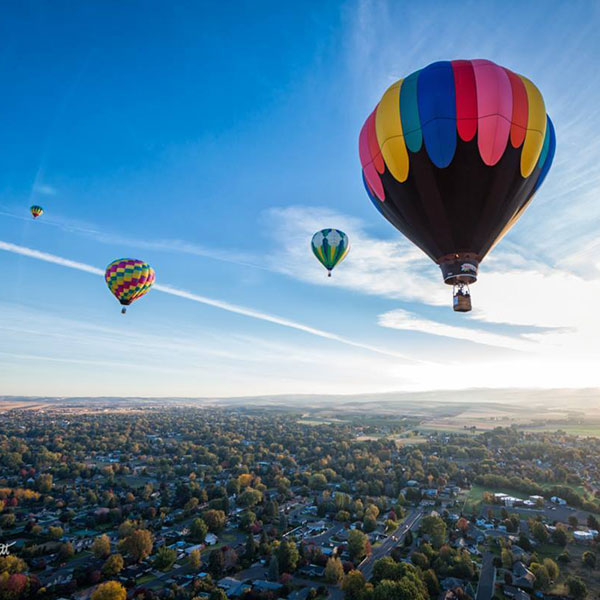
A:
522, 576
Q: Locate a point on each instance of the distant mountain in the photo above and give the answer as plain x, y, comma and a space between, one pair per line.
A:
405, 402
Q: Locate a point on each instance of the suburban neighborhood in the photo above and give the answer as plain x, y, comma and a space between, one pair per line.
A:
212, 504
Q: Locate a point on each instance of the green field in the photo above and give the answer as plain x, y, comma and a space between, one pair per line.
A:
474, 498
581, 429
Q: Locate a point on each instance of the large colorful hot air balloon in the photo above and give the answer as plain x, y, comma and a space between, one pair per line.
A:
36, 211
129, 279
330, 246
452, 156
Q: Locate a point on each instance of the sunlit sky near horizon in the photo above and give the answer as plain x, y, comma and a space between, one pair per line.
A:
211, 139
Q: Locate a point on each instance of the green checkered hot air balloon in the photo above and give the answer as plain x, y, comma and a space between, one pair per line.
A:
330, 246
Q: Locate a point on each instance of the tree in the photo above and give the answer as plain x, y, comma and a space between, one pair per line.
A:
592, 522
218, 594
507, 558
44, 483
249, 498
539, 532
113, 565
198, 530
273, 573
577, 587
191, 506
589, 559
387, 568
287, 556
283, 523
66, 551
248, 519
271, 509
126, 528
12, 564
369, 523
462, 525
542, 578
432, 583
233, 487
354, 585
334, 570
318, 481
435, 528
404, 589
165, 558
195, 559
138, 544
357, 545
552, 568
230, 558
559, 537
56, 532
420, 560
216, 562
250, 551
101, 546
111, 590
573, 521
215, 520
524, 542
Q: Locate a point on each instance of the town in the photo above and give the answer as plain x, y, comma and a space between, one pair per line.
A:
186, 503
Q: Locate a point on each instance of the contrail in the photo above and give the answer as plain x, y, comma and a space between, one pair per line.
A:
232, 308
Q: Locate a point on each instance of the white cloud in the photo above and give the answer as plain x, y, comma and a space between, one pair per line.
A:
558, 307
391, 269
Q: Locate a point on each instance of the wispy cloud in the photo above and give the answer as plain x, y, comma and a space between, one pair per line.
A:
51, 258
223, 305
44, 189
405, 320
90, 231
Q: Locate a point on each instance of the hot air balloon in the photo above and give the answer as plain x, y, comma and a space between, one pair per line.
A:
452, 155
129, 279
36, 211
330, 246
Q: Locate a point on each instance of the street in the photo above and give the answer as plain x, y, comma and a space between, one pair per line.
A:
411, 521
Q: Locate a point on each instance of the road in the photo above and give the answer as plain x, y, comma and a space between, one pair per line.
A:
411, 522
487, 578
325, 537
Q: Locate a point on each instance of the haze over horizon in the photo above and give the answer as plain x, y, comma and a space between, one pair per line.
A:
213, 148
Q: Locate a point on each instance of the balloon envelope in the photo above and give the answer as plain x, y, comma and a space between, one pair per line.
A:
36, 211
453, 154
129, 279
330, 246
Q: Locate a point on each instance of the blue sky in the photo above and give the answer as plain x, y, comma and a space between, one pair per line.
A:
212, 139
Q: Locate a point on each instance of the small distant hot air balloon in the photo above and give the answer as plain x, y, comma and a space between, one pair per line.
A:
330, 246
36, 211
452, 155
129, 279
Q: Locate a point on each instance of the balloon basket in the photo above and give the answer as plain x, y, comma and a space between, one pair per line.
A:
461, 301
123, 310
